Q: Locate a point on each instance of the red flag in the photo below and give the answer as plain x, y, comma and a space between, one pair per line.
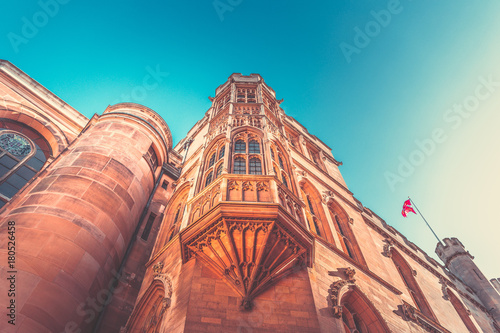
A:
407, 208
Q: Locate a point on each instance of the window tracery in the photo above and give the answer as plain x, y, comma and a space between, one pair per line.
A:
247, 154
214, 158
315, 214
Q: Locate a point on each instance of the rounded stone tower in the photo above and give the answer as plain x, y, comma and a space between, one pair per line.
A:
74, 222
460, 263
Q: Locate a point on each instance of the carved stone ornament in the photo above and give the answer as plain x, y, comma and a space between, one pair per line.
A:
301, 177
412, 314
262, 186
233, 185
247, 186
157, 268
444, 289
327, 197
351, 220
389, 244
249, 267
337, 289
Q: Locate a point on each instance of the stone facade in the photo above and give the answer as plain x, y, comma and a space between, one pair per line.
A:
246, 225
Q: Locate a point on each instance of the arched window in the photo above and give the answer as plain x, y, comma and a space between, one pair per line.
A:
282, 173
462, 311
148, 314
406, 273
244, 162
219, 170
359, 314
208, 179
20, 158
216, 154
345, 234
255, 167
281, 162
315, 214
222, 151
240, 166
253, 147
240, 147
212, 160
283, 179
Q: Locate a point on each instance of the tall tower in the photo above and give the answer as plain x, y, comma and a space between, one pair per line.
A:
460, 262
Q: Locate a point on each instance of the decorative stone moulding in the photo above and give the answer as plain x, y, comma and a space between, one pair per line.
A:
249, 252
339, 288
410, 313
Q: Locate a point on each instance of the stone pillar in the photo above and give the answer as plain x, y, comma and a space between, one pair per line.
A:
75, 222
460, 262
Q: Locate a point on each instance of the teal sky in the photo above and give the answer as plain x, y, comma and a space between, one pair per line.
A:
396, 84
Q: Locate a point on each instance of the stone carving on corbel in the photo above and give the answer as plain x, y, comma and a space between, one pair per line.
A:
389, 244
327, 196
301, 177
339, 287
351, 220
444, 288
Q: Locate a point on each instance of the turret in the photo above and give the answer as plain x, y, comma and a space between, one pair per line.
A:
460, 263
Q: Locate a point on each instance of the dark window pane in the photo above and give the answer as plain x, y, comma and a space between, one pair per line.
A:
284, 181
2, 203
25, 172
16, 181
272, 154
253, 147
281, 162
149, 225
8, 161
219, 170
8, 190
222, 151
3, 170
35, 163
254, 166
209, 179
212, 160
240, 166
240, 147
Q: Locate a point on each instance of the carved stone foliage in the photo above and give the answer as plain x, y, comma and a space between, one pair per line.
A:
389, 244
232, 185
247, 186
250, 254
412, 314
335, 293
444, 289
247, 120
327, 197
262, 186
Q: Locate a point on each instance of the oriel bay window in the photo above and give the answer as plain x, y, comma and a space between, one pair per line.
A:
247, 155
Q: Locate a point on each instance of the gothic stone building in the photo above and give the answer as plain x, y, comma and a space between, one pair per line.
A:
246, 225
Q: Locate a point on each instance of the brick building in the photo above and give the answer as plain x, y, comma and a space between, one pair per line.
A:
246, 225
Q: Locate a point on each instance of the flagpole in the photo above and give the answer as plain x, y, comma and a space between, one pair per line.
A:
439, 241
